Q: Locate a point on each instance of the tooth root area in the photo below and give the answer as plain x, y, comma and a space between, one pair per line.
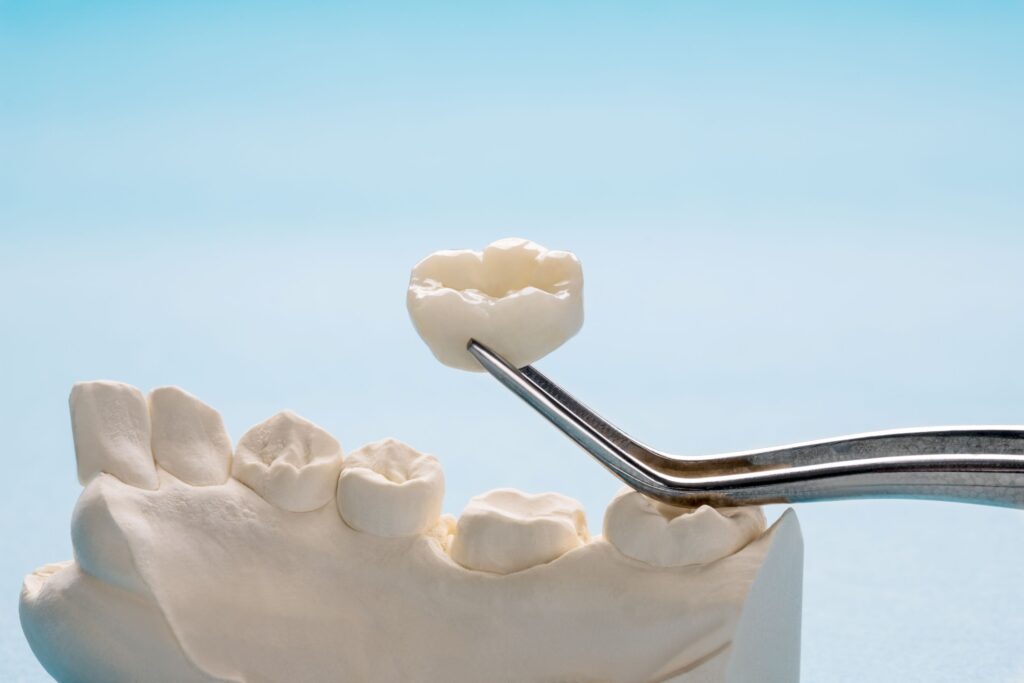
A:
506, 531
664, 536
111, 428
189, 438
290, 461
102, 548
516, 296
387, 488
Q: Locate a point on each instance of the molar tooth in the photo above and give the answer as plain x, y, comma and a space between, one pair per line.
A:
505, 530
290, 461
664, 536
189, 439
110, 425
517, 297
387, 488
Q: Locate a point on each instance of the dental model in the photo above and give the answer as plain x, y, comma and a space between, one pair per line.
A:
257, 578
288, 561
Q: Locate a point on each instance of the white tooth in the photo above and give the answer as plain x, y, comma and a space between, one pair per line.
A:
189, 439
664, 536
387, 488
110, 424
516, 297
290, 461
505, 530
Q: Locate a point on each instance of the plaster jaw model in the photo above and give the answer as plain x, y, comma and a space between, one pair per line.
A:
221, 582
305, 566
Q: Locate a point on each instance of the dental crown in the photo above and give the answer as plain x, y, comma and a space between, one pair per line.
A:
515, 296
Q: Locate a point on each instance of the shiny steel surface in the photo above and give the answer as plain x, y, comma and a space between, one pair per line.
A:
971, 464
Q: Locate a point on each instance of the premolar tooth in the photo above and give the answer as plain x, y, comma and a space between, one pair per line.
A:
189, 439
387, 488
505, 530
290, 461
110, 424
516, 297
666, 536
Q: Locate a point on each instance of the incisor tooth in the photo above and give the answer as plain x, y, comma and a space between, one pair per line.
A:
290, 461
387, 488
110, 424
189, 439
505, 530
516, 297
664, 536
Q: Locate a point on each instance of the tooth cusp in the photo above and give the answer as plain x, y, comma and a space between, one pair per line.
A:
506, 530
517, 297
387, 488
665, 536
189, 439
289, 461
111, 429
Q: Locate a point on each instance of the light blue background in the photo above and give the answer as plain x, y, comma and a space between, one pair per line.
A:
795, 222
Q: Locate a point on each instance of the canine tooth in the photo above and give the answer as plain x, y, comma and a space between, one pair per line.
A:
387, 488
517, 297
506, 530
664, 536
290, 461
189, 439
111, 429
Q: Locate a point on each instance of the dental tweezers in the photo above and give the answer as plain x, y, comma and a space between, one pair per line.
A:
969, 464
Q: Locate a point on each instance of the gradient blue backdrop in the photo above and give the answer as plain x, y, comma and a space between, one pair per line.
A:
795, 222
